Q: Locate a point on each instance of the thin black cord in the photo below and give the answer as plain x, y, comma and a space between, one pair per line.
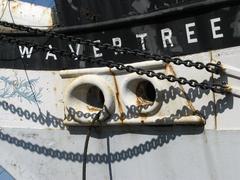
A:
109, 159
31, 87
96, 118
10, 11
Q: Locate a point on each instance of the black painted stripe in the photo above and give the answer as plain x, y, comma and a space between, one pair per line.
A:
229, 25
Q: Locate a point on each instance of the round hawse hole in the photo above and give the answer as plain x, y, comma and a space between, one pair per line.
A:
146, 93
95, 97
90, 95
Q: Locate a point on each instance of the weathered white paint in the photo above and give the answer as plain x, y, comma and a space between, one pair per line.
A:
228, 120
53, 86
201, 100
26, 14
121, 93
144, 153
49, 86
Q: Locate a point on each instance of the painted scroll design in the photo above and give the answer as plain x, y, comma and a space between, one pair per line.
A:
22, 89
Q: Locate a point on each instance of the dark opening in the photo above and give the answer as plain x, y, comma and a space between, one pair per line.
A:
146, 91
95, 97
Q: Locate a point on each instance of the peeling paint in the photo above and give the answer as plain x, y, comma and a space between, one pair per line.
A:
26, 14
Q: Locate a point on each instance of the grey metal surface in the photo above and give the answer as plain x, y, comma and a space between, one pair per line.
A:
122, 153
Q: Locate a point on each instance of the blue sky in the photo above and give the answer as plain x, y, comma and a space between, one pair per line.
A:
4, 175
48, 3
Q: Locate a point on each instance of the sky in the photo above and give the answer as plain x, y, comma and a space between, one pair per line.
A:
4, 175
48, 3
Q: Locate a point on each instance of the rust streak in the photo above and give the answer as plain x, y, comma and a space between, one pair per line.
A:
171, 71
117, 96
93, 109
142, 102
15, 6
214, 96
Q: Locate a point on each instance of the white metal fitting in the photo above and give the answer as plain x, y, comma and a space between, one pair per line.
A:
125, 98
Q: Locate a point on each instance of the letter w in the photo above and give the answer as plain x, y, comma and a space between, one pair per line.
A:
25, 51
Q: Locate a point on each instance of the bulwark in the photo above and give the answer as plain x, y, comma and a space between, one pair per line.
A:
203, 32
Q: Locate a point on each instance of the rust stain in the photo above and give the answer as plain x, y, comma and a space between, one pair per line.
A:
170, 71
214, 96
122, 117
140, 103
93, 109
143, 102
15, 6
45, 11
50, 23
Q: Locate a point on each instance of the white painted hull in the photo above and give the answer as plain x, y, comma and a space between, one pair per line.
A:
35, 143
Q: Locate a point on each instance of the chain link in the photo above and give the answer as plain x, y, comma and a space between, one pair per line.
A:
210, 67
218, 88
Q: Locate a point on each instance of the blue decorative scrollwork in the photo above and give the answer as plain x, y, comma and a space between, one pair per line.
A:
23, 89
